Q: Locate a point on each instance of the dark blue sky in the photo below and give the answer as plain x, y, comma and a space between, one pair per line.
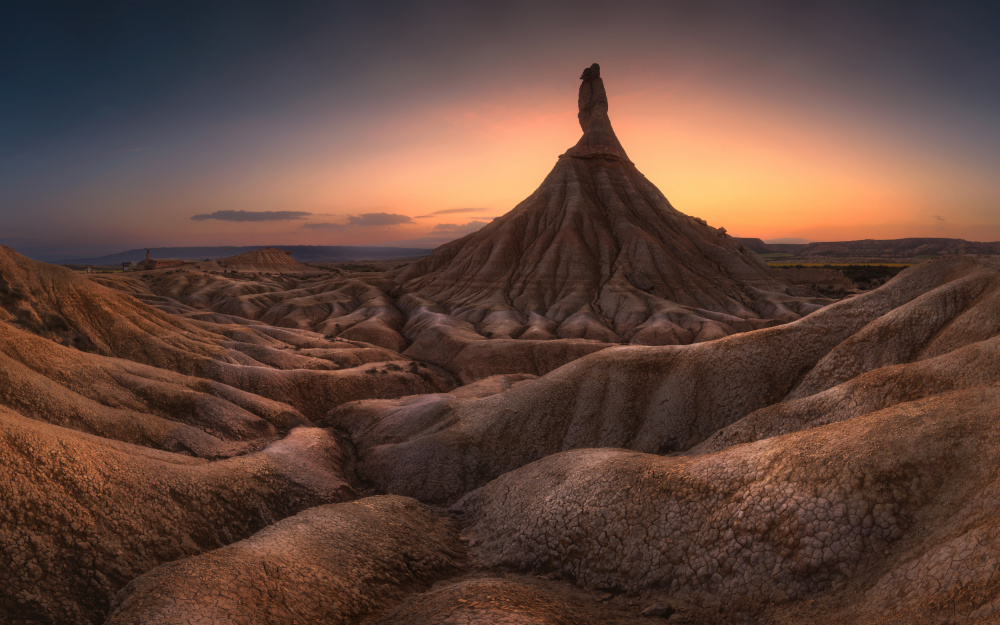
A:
120, 116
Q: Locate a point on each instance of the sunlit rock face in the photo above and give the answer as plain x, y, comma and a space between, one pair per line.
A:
597, 252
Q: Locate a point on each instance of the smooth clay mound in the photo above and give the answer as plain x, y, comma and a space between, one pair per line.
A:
498, 601
897, 509
268, 259
598, 252
83, 516
330, 564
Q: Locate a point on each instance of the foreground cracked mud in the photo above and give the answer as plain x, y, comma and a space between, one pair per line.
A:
774, 521
327, 564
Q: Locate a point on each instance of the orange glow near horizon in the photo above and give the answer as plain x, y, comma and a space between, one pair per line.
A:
756, 168
379, 125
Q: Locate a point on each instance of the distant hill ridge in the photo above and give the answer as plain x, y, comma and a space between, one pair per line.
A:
917, 246
301, 253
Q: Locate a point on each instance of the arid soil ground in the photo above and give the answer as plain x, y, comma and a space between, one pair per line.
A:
596, 410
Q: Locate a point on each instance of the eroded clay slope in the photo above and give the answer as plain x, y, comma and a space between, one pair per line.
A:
897, 509
83, 515
61, 328
669, 399
598, 252
353, 312
329, 564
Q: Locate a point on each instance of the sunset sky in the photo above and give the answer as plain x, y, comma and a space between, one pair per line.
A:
142, 124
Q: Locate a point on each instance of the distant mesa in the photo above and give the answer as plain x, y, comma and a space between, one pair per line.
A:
265, 259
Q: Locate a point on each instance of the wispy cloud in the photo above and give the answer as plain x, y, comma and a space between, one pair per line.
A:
365, 220
378, 219
252, 215
451, 211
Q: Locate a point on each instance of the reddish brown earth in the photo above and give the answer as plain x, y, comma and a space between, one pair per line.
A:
269, 259
281, 445
597, 252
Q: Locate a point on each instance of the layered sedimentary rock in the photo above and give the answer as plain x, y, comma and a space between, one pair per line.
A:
268, 259
668, 399
65, 328
355, 310
598, 252
850, 453
133, 437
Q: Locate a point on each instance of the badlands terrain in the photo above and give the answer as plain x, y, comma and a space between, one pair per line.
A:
595, 410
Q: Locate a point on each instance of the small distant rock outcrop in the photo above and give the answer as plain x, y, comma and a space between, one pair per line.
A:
157, 263
754, 244
264, 259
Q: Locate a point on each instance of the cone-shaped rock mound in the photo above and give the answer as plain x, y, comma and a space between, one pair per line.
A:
264, 259
598, 252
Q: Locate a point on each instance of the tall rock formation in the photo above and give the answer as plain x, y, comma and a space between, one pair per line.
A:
598, 252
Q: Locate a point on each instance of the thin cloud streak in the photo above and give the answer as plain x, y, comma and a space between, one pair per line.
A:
451, 211
365, 220
378, 219
241, 215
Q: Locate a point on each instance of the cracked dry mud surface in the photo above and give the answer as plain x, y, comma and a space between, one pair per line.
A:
260, 442
793, 487
326, 564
